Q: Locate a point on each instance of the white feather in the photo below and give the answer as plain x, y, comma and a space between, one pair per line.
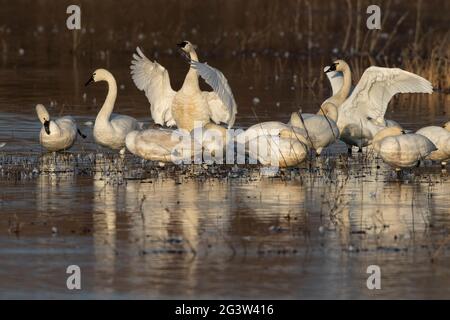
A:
217, 81
153, 79
361, 116
377, 86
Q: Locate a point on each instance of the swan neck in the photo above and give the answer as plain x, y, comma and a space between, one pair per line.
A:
190, 84
108, 105
342, 94
193, 55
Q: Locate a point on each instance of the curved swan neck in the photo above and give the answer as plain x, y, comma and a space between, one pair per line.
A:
190, 83
342, 94
108, 105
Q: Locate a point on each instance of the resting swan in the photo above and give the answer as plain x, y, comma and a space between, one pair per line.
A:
207, 143
58, 134
401, 150
278, 151
441, 139
361, 115
321, 131
189, 107
164, 145
111, 131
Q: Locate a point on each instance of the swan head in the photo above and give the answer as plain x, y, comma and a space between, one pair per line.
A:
186, 46
99, 75
337, 65
43, 116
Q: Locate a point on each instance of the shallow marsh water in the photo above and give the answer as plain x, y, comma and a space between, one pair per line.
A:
141, 231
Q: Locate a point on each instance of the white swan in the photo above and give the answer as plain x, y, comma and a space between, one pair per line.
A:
58, 134
321, 131
341, 93
163, 145
401, 150
277, 151
336, 79
189, 106
441, 139
265, 129
110, 131
361, 115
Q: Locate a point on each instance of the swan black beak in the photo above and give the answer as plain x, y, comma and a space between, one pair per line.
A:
182, 44
91, 79
331, 68
47, 126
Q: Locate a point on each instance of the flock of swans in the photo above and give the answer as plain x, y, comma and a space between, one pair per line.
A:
354, 115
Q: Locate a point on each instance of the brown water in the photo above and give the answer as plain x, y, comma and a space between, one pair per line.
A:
140, 231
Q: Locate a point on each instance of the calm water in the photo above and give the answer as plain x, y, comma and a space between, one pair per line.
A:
140, 231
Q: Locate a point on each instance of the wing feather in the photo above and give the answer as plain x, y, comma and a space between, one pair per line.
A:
153, 79
377, 86
217, 81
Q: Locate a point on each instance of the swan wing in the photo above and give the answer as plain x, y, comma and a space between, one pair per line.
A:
226, 111
377, 86
153, 79
218, 111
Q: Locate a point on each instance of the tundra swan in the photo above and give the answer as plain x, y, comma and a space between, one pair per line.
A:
189, 106
268, 128
401, 150
320, 130
441, 139
278, 151
110, 131
165, 145
361, 115
341, 94
336, 79
58, 134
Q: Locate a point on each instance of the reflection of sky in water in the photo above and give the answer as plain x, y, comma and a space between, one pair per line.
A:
215, 237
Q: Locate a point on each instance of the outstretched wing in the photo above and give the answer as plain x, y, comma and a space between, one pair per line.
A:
226, 111
153, 79
377, 86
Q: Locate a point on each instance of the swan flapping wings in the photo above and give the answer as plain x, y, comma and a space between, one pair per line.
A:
377, 86
153, 79
221, 101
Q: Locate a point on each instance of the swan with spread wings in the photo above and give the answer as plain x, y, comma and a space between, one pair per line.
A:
361, 115
189, 107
